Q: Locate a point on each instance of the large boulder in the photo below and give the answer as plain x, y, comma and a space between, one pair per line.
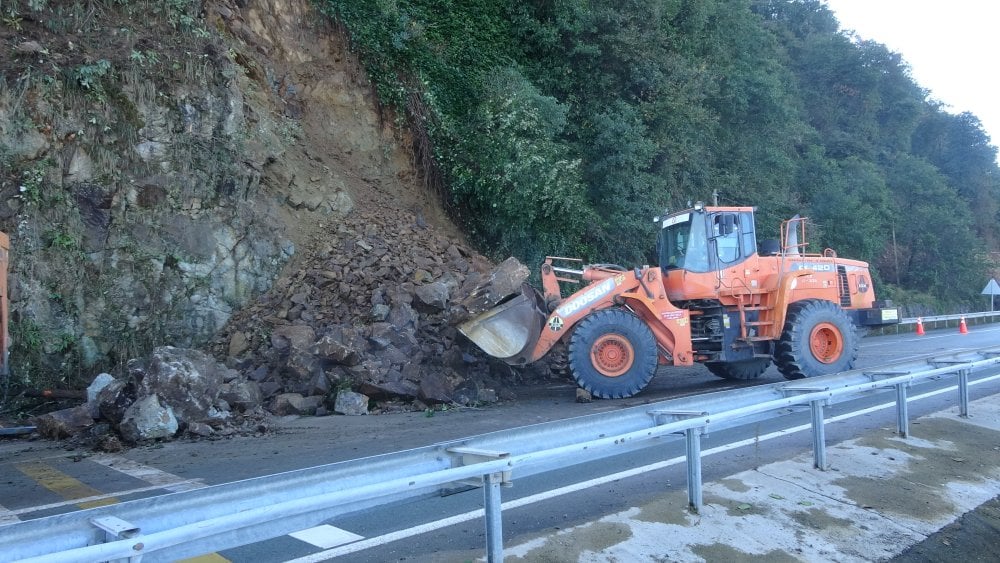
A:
241, 394
295, 403
391, 384
64, 423
351, 403
147, 419
433, 297
93, 391
303, 365
114, 399
287, 337
333, 348
435, 388
503, 281
188, 381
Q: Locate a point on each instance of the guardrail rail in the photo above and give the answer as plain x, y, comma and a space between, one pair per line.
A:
191, 523
908, 324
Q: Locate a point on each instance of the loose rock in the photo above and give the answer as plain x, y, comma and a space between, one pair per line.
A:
351, 403
64, 423
147, 419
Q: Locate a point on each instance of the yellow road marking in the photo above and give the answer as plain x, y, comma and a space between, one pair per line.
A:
70, 489
209, 558
63, 485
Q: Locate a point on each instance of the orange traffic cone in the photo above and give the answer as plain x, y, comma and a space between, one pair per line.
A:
962, 329
920, 326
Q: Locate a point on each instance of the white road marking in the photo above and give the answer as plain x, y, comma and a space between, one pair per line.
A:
7, 516
40, 507
157, 479
473, 514
151, 475
326, 536
925, 337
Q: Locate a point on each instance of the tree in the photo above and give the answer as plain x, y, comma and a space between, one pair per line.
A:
961, 150
562, 127
933, 226
849, 204
520, 193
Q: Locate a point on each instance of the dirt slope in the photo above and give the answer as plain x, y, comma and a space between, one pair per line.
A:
363, 279
226, 180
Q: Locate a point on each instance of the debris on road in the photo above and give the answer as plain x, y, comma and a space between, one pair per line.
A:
363, 324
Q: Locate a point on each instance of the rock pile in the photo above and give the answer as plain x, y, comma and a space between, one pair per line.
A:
364, 323
171, 392
372, 311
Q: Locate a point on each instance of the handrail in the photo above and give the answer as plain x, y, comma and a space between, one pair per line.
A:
178, 525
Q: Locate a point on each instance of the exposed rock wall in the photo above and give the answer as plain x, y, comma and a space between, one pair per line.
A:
149, 200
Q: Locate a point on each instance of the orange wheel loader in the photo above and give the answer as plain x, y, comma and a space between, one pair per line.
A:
717, 298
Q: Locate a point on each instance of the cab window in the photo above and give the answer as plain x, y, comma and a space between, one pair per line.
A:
726, 232
683, 243
748, 234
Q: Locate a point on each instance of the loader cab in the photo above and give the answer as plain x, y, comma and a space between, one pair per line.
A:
706, 239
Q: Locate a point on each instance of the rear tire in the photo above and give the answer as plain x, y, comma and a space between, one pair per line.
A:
819, 339
743, 369
612, 354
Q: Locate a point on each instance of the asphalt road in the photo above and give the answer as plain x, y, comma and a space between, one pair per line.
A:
41, 478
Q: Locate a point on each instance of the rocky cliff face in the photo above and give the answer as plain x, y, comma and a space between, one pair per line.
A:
178, 173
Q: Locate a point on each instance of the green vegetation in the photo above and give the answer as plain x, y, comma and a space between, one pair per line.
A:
57, 239
563, 127
89, 76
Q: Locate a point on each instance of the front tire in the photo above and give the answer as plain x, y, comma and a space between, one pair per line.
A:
819, 338
612, 354
743, 369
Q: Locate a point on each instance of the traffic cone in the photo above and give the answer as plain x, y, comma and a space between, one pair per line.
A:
920, 326
962, 329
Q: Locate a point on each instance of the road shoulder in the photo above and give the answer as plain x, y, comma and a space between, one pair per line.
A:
881, 495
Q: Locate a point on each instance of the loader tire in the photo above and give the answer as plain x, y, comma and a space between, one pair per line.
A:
612, 354
819, 338
743, 369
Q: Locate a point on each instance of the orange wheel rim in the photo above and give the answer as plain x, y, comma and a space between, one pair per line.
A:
826, 343
612, 355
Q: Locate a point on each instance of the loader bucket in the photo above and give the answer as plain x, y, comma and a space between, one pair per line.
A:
510, 330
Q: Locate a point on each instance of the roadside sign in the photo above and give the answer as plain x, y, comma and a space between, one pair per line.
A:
991, 289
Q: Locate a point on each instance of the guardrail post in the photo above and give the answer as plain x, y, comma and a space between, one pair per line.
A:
818, 435
963, 393
693, 451
494, 517
117, 529
902, 411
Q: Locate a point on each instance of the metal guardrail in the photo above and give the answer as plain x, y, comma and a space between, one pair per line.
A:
186, 524
908, 324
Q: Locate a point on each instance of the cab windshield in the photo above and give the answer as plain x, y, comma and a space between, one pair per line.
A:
683, 244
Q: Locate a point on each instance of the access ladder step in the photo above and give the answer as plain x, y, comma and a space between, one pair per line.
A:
743, 291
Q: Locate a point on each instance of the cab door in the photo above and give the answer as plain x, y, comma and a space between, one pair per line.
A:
733, 251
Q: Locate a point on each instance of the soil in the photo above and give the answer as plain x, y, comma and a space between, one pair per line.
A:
396, 237
390, 236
